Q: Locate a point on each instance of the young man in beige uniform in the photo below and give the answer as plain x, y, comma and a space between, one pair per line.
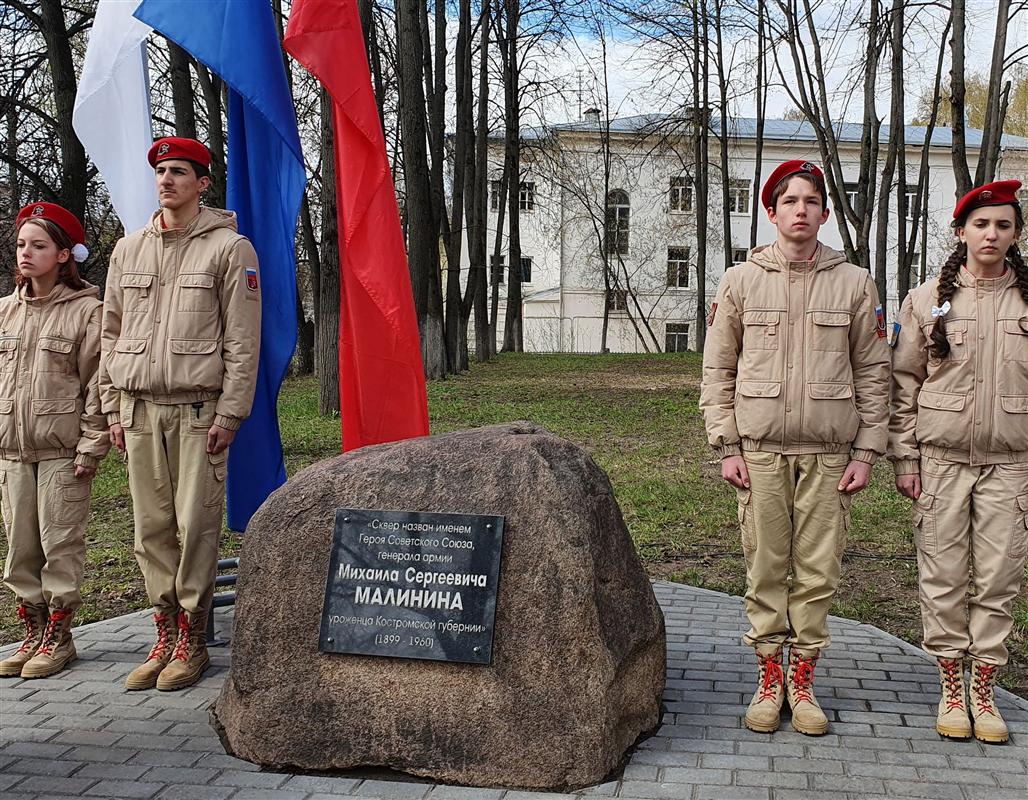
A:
794, 396
959, 444
181, 334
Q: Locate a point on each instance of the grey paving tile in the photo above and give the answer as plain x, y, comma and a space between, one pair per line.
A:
124, 789
464, 793
59, 768
116, 772
187, 792
50, 785
393, 790
256, 780
934, 791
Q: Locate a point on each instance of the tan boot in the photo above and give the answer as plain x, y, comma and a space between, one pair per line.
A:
764, 712
807, 716
988, 724
952, 719
34, 618
190, 658
56, 650
145, 675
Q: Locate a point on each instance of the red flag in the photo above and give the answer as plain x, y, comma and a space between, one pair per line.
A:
381, 380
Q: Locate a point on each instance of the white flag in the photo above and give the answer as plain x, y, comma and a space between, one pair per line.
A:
112, 110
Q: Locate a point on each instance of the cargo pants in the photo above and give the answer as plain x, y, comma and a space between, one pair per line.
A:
44, 509
794, 524
969, 519
178, 495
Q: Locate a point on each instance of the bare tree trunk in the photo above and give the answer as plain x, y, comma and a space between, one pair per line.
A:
761, 111
422, 224
897, 131
182, 91
305, 339
327, 295
722, 87
367, 12
988, 156
477, 235
701, 79
62, 72
512, 334
961, 173
495, 271
212, 95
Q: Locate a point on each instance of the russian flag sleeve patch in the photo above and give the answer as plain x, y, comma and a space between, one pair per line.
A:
251, 279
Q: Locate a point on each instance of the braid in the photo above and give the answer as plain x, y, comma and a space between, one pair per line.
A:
1016, 262
939, 347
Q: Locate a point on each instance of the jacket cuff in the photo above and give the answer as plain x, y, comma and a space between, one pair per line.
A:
228, 423
729, 450
867, 456
82, 460
907, 466
114, 418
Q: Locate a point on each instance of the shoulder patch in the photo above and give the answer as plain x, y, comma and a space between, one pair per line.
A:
710, 316
880, 320
251, 279
896, 328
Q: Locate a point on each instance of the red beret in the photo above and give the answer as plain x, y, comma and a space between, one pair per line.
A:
786, 170
999, 193
67, 221
177, 147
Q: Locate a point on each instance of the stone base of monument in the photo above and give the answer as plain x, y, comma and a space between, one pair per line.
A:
578, 651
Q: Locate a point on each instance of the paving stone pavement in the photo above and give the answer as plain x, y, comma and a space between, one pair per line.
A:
81, 735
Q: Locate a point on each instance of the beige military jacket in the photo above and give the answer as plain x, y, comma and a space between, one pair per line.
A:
49, 398
795, 359
972, 406
182, 318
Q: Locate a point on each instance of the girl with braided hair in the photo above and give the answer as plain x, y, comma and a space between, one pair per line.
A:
958, 441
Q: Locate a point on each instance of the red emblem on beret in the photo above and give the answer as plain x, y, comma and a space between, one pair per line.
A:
786, 170
998, 193
178, 147
38, 211
164, 148
67, 221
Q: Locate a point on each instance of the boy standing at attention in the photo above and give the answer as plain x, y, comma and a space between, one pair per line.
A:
795, 401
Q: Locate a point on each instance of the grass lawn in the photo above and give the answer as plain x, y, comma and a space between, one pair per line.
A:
637, 417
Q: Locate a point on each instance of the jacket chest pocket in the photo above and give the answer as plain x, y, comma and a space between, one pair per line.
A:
958, 337
9, 353
829, 330
1015, 339
195, 292
761, 330
55, 354
137, 289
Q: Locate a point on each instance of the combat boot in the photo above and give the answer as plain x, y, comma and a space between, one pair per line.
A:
952, 719
56, 650
145, 675
190, 658
807, 716
988, 724
764, 712
33, 617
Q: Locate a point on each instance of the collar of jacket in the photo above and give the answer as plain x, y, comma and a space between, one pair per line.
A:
770, 258
967, 279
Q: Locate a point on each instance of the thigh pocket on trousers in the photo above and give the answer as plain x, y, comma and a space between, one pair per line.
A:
216, 479
71, 498
749, 536
924, 524
130, 421
1019, 536
5, 503
846, 501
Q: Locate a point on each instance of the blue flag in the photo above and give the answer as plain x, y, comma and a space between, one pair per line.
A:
238, 41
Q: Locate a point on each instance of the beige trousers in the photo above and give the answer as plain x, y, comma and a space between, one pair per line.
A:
794, 522
44, 509
970, 520
178, 493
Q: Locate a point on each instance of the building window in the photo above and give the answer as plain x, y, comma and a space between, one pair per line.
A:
915, 269
617, 300
616, 233
676, 337
526, 196
680, 193
498, 267
911, 193
739, 196
494, 195
678, 267
854, 197
739, 255
526, 270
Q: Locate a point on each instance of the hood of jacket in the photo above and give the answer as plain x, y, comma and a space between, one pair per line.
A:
209, 219
770, 257
61, 294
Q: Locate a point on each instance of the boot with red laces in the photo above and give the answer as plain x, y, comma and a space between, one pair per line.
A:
33, 616
807, 716
190, 658
988, 724
952, 719
56, 649
145, 675
764, 712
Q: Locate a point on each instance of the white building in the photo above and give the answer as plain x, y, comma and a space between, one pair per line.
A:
654, 299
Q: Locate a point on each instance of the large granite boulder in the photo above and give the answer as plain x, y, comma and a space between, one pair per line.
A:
578, 661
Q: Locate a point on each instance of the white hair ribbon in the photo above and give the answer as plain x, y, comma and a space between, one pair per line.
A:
79, 253
941, 312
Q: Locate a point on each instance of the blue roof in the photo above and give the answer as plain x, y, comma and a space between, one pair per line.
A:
782, 130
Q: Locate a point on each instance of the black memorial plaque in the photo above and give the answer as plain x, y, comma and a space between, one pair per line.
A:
412, 585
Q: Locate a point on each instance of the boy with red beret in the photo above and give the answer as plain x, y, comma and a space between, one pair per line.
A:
181, 335
795, 401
